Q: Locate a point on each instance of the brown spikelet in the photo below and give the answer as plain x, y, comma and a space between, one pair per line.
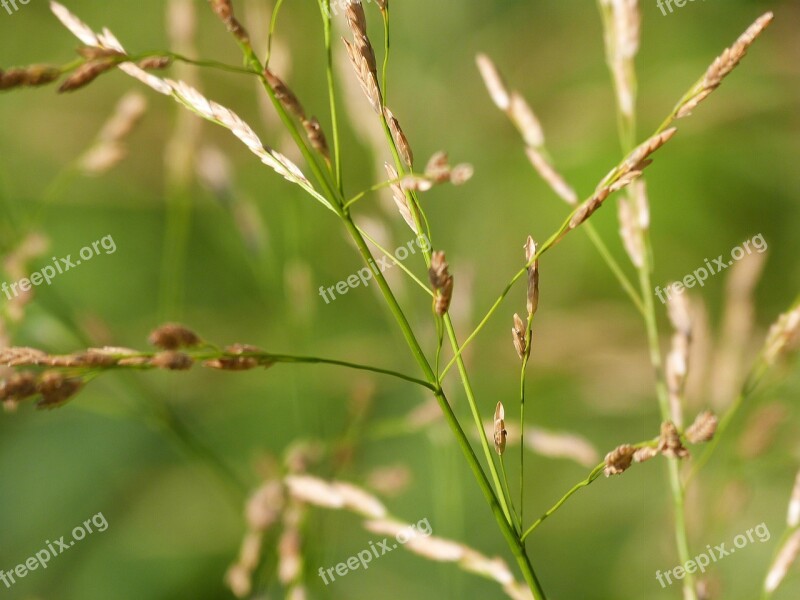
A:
18, 386
56, 389
519, 337
363, 60
240, 359
588, 208
551, 176
703, 428
533, 276
438, 167
724, 64
783, 337
526, 121
317, 137
155, 63
494, 82
284, 95
21, 356
461, 174
172, 336
356, 18
399, 137
401, 200
636, 159
31, 76
644, 454
85, 74
500, 433
669, 444
442, 282
96, 52
619, 460
224, 10
172, 361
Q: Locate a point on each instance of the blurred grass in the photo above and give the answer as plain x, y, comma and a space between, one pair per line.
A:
729, 175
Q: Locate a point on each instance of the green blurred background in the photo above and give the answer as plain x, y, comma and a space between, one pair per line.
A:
173, 527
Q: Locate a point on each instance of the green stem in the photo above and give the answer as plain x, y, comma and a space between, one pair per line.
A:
592, 476
476, 415
386, 48
616, 269
287, 358
681, 534
525, 356
324, 6
517, 517
273, 23
395, 261
499, 513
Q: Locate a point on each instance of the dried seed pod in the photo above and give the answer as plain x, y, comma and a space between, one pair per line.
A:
155, 63
239, 358
703, 428
518, 333
363, 60
500, 433
399, 137
317, 137
494, 82
356, 18
525, 120
172, 336
645, 454
442, 282
85, 74
18, 386
669, 444
438, 167
780, 567
551, 176
793, 514
783, 337
461, 174
533, 276
619, 460
31, 76
56, 389
285, 95
96, 52
172, 361
400, 199
224, 10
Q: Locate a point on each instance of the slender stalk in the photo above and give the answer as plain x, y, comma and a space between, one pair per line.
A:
273, 23
596, 472
287, 358
395, 261
476, 415
525, 356
325, 9
616, 269
386, 48
627, 137
500, 515
517, 516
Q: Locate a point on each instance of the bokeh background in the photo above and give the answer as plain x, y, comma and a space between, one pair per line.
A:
251, 261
